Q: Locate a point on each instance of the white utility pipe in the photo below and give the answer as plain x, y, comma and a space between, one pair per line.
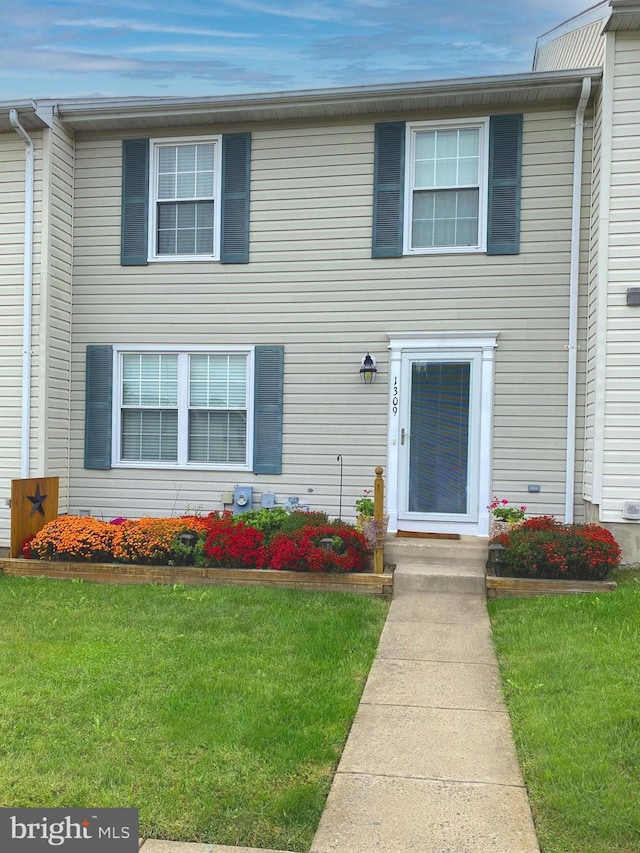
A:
572, 346
27, 309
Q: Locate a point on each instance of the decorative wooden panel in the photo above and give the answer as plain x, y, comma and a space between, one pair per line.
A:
34, 502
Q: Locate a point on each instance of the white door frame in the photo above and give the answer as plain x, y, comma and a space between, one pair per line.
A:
440, 345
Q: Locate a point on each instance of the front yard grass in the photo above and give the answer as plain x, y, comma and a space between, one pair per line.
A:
220, 713
571, 674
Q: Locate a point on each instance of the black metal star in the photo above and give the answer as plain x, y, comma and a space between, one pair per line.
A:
37, 500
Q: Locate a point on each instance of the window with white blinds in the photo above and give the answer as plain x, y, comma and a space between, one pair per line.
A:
182, 408
218, 408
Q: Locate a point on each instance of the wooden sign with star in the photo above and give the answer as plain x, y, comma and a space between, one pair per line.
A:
34, 502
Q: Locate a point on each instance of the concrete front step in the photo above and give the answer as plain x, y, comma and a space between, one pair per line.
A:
469, 551
460, 577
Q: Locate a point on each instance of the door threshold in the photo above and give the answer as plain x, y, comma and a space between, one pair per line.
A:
415, 534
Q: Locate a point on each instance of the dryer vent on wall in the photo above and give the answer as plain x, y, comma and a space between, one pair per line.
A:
242, 499
631, 510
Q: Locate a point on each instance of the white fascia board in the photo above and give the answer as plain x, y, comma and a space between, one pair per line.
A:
75, 112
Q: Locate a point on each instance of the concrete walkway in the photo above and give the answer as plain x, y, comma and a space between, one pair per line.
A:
429, 765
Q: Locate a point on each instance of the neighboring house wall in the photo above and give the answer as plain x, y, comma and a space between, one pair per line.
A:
580, 48
312, 286
12, 196
621, 466
613, 387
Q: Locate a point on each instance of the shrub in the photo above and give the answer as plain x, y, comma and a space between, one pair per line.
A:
228, 543
155, 540
300, 518
301, 550
269, 521
545, 548
72, 537
541, 522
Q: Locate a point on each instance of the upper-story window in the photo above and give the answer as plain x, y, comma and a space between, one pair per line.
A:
447, 182
185, 199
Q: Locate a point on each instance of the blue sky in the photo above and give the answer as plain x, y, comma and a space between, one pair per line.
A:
75, 48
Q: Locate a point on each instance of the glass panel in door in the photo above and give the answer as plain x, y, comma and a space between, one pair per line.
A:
439, 437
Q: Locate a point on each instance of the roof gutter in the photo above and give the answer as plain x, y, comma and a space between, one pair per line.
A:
574, 273
27, 308
77, 112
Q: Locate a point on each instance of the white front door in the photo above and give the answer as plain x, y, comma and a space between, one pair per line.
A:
440, 435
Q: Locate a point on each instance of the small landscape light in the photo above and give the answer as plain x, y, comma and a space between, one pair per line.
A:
326, 544
188, 539
496, 557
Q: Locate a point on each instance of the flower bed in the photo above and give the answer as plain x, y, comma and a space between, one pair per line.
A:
542, 547
120, 573
264, 539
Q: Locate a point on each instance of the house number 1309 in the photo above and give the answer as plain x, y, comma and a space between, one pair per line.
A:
394, 401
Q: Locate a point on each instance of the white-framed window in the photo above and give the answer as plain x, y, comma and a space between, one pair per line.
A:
447, 176
184, 199
183, 409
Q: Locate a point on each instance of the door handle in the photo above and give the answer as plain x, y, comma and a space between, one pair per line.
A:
402, 436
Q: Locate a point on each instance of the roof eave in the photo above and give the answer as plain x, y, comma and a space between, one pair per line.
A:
29, 115
123, 113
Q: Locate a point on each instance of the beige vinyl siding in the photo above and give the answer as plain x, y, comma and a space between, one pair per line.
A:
12, 197
581, 48
312, 286
56, 338
621, 465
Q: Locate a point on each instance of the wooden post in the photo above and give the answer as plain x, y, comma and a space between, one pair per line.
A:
378, 517
34, 502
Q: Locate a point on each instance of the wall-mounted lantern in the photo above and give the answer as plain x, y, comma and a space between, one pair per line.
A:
368, 369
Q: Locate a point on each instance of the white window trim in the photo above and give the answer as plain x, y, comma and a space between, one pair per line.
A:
155, 144
183, 406
412, 129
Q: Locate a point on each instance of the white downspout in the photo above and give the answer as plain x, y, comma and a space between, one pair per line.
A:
27, 309
572, 346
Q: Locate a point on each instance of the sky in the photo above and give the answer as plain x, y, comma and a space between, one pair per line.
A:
91, 48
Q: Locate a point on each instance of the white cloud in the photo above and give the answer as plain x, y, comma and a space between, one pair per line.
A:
150, 27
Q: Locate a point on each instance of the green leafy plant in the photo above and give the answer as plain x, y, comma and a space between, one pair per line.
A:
364, 504
501, 511
267, 520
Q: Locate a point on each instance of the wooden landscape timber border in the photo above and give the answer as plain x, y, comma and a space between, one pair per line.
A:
501, 587
362, 583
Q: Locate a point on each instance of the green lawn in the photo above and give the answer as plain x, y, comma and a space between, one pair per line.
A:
220, 713
571, 673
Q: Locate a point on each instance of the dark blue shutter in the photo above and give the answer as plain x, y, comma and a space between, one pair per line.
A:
135, 202
97, 422
267, 435
236, 177
388, 189
505, 165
